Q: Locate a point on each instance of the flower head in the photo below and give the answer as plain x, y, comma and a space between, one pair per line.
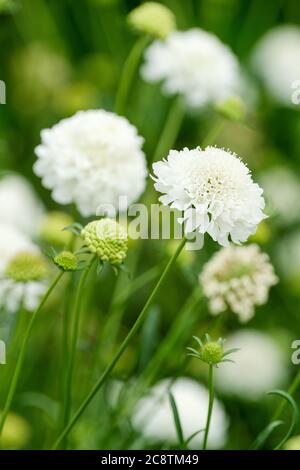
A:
91, 159
191, 63
12, 241
259, 366
238, 278
215, 191
27, 266
66, 261
52, 228
16, 432
276, 61
152, 18
108, 239
153, 414
211, 352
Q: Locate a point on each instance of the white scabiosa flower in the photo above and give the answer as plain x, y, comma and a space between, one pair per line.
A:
19, 205
23, 282
91, 159
277, 62
259, 366
12, 242
193, 63
153, 415
288, 196
215, 191
237, 278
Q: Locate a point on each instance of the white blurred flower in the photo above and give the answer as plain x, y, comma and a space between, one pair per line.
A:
11, 242
194, 63
153, 415
14, 294
276, 60
238, 278
259, 366
288, 196
215, 191
92, 158
19, 205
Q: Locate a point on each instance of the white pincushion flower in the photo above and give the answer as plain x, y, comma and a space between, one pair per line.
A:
288, 196
276, 60
92, 158
153, 415
259, 366
11, 242
193, 63
215, 191
237, 278
19, 205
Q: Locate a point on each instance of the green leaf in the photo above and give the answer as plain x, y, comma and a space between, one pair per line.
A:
265, 434
198, 341
192, 436
176, 420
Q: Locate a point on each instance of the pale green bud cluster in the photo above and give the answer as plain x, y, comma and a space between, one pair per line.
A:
27, 266
66, 261
212, 352
152, 18
52, 228
233, 109
107, 239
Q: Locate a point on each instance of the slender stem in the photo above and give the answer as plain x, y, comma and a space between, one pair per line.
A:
213, 133
14, 381
128, 73
170, 131
292, 389
74, 339
122, 348
210, 403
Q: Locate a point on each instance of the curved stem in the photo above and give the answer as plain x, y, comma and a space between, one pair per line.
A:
74, 339
121, 349
14, 381
292, 389
128, 73
210, 403
170, 131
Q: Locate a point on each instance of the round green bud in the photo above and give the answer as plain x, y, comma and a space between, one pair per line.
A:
66, 261
16, 432
293, 443
233, 109
52, 228
152, 18
27, 266
212, 352
106, 238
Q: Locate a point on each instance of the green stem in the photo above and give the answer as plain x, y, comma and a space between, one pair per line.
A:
213, 133
15, 378
74, 339
210, 403
170, 131
122, 348
292, 389
128, 73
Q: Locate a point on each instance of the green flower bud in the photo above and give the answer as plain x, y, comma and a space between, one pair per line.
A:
27, 266
16, 432
152, 18
212, 352
52, 228
233, 109
106, 238
66, 261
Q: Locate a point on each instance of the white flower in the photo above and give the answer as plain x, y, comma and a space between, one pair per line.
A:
154, 418
14, 294
276, 60
19, 205
215, 191
259, 366
284, 203
195, 64
91, 159
11, 242
238, 278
